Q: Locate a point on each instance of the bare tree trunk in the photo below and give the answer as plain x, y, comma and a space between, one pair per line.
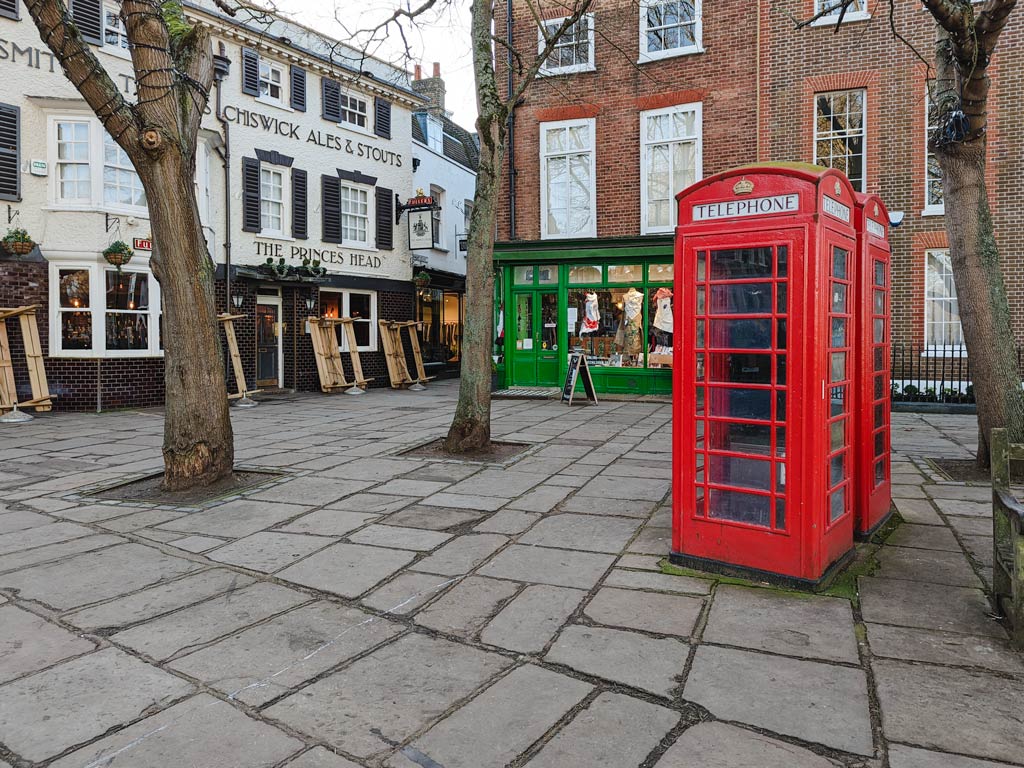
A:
198, 444
981, 291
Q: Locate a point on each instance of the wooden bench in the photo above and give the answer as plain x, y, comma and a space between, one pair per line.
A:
1007, 536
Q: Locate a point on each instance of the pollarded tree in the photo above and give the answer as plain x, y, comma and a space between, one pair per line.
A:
173, 67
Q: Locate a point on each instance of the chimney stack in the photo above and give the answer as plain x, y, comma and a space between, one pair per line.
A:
431, 88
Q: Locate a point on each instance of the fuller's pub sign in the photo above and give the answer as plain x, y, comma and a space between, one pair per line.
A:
421, 220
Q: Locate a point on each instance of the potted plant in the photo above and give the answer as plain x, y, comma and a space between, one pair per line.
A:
281, 268
118, 253
18, 242
421, 279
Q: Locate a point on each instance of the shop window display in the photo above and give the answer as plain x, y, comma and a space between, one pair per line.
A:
75, 311
127, 325
610, 326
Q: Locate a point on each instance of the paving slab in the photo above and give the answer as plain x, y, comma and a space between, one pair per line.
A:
202, 732
318, 757
615, 730
80, 700
582, 532
509, 521
918, 511
408, 487
388, 696
929, 707
944, 648
59, 551
406, 592
462, 555
630, 488
196, 544
965, 492
464, 501
497, 482
29, 642
788, 623
971, 526
20, 521
268, 551
145, 519
348, 570
513, 713
645, 611
541, 499
908, 491
658, 582
235, 519
962, 508
924, 537
927, 565
650, 664
927, 606
377, 469
725, 746
328, 522
902, 756
433, 518
172, 633
467, 607
640, 562
540, 565
398, 537
312, 490
531, 620
41, 535
820, 703
265, 661
372, 503
652, 540
158, 600
619, 507
95, 576
445, 472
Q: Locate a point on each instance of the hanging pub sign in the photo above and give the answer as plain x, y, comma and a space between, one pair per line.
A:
421, 220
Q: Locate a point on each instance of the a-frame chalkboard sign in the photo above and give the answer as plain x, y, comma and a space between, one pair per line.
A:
578, 369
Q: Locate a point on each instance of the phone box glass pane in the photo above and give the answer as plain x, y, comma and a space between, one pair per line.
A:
741, 472
740, 507
741, 403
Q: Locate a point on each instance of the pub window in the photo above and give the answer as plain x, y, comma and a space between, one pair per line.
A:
91, 170
75, 312
74, 182
115, 37
670, 161
436, 215
121, 184
353, 112
839, 135
355, 215
567, 179
271, 202
271, 83
361, 306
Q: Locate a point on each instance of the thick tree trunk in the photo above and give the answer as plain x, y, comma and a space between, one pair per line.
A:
471, 428
198, 444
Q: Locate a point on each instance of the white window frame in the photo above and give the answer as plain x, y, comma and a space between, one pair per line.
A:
943, 349
96, 163
121, 49
56, 195
97, 270
437, 217
586, 66
435, 134
591, 123
368, 114
345, 309
698, 33
370, 242
930, 209
271, 66
863, 14
274, 170
863, 131
697, 108
106, 138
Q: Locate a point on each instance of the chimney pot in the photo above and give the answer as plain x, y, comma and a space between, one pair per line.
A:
418, 72
437, 69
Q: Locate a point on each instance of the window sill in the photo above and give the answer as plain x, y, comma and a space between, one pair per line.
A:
934, 210
357, 246
658, 230
549, 236
274, 236
573, 70
117, 52
86, 355
440, 249
672, 53
355, 128
141, 213
952, 352
274, 103
830, 21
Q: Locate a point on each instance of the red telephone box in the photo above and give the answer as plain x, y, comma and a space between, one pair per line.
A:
872, 394
762, 401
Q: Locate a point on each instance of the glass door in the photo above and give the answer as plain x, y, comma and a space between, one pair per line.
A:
267, 345
535, 346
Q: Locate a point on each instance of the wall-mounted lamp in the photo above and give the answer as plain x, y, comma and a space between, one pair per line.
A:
310, 304
237, 299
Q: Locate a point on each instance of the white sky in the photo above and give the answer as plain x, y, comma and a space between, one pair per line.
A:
441, 36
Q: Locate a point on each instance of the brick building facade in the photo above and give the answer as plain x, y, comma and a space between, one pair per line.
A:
642, 99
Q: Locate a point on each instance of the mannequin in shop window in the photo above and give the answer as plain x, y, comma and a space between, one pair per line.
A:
660, 336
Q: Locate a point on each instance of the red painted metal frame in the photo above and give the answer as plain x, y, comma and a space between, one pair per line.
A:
801, 546
872, 393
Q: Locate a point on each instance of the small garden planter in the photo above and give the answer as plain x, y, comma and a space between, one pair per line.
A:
118, 253
17, 242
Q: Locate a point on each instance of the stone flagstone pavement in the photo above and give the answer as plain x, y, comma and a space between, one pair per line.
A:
372, 609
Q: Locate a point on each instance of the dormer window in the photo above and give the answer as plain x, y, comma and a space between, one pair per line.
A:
435, 134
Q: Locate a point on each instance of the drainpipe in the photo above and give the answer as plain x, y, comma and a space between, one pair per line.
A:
511, 127
221, 67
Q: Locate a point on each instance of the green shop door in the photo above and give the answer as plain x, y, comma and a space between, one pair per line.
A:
535, 345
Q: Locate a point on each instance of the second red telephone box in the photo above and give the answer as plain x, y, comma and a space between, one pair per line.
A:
762, 390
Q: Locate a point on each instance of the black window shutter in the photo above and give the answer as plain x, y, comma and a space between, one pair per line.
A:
331, 92
250, 72
9, 9
250, 194
88, 17
330, 206
300, 206
385, 219
10, 176
382, 117
298, 88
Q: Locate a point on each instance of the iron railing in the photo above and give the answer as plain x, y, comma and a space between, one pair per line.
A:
929, 374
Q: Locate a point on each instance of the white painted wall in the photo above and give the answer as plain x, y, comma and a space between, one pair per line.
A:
459, 184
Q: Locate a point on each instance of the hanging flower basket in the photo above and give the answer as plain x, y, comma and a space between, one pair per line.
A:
17, 242
421, 280
118, 254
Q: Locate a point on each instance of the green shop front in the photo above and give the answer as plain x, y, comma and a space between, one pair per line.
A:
612, 298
